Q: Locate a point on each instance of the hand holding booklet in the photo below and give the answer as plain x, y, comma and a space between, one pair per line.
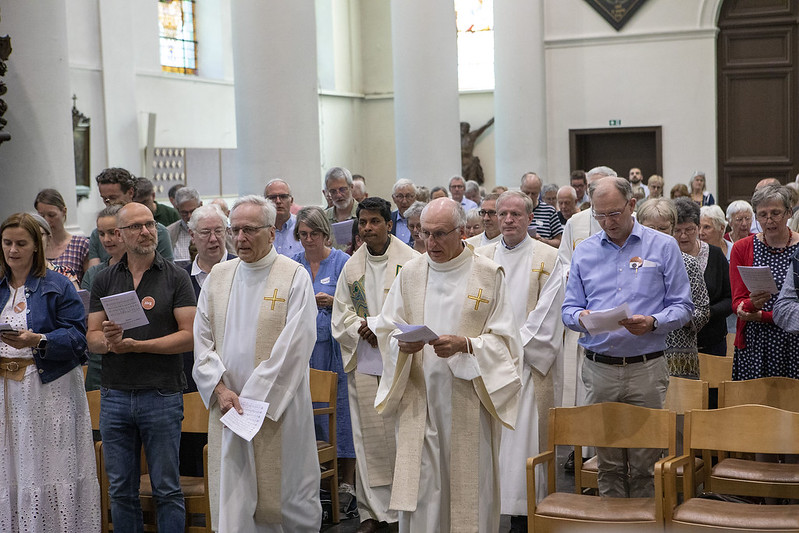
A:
125, 310
758, 279
414, 333
606, 320
246, 425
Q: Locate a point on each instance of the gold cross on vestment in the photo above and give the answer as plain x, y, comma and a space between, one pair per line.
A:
478, 299
274, 299
540, 270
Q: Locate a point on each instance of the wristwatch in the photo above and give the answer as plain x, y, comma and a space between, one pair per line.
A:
42, 342
654, 323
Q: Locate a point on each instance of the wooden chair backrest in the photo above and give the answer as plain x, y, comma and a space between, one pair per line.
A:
324, 386
685, 394
714, 369
779, 392
615, 425
195, 415
743, 428
93, 397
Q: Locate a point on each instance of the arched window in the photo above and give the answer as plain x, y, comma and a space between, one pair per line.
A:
475, 22
177, 36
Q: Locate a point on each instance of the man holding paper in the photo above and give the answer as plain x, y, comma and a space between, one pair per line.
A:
360, 293
142, 370
535, 283
451, 395
626, 263
253, 337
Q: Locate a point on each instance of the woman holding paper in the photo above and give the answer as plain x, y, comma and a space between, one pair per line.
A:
762, 348
48, 471
325, 264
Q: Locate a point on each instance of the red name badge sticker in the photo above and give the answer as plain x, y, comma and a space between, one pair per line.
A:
148, 302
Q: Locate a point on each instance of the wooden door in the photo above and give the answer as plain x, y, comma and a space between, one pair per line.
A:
618, 148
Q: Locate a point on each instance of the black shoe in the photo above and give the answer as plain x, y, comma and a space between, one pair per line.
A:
568, 466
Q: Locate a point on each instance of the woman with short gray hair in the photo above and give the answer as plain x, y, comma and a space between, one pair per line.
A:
414, 217
739, 217
761, 347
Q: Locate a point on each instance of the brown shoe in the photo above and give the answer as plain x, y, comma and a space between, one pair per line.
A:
368, 526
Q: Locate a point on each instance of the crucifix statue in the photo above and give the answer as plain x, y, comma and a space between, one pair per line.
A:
470, 164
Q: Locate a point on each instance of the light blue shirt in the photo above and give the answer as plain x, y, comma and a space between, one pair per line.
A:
402, 231
467, 204
786, 308
601, 277
285, 243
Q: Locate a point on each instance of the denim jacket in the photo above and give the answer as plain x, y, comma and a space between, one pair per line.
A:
55, 309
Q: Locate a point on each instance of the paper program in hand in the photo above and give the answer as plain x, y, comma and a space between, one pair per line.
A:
247, 424
607, 320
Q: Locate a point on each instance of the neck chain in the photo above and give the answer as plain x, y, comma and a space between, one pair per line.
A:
777, 249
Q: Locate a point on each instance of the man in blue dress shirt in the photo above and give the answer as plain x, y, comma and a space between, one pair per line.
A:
626, 262
279, 192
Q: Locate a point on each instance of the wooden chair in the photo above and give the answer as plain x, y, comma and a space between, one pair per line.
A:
195, 489
324, 387
683, 394
714, 369
782, 393
747, 429
614, 425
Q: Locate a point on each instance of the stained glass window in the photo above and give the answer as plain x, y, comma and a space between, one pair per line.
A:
475, 22
177, 37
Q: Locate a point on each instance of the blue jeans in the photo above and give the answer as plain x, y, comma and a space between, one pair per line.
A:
128, 420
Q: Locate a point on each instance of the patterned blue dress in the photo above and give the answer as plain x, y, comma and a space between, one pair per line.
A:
327, 353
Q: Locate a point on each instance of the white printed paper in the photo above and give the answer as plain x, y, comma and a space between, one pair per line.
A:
414, 333
246, 425
125, 310
342, 231
758, 279
369, 359
607, 320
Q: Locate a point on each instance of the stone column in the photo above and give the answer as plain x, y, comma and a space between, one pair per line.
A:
277, 102
426, 110
40, 152
520, 131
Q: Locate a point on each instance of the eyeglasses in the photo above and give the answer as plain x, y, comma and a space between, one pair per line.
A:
436, 235
249, 231
686, 231
489, 212
404, 196
773, 215
309, 234
738, 220
340, 190
601, 217
150, 225
205, 234
281, 197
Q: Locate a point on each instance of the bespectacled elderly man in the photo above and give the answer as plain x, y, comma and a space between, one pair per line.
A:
404, 194
278, 192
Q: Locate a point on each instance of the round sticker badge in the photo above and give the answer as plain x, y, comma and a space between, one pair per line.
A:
148, 302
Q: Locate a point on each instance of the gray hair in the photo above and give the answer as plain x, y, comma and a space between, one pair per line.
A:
715, 215
570, 190
336, 173
622, 185
599, 172
458, 214
42, 223
687, 210
207, 211
772, 193
530, 175
276, 180
415, 210
472, 185
658, 208
186, 194
109, 211
528, 202
739, 206
268, 208
453, 178
696, 175
473, 215
313, 217
549, 187
404, 182
361, 186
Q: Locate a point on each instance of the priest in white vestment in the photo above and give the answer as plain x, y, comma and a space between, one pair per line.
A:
253, 337
452, 395
360, 292
535, 290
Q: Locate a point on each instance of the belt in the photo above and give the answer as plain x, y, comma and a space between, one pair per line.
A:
622, 361
14, 368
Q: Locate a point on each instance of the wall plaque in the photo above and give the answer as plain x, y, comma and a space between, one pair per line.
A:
616, 12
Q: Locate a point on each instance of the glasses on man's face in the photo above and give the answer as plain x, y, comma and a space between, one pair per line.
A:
773, 215
404, 196
248, 231
601, 217
489, 212
341, 190
281, 197
436, 235
150, 225
205, 234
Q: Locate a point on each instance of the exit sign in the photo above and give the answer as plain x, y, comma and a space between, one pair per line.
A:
614, 122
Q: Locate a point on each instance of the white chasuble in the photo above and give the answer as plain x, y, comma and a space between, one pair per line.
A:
373, 434
434, 397
535, 290
241, 299
578, 228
